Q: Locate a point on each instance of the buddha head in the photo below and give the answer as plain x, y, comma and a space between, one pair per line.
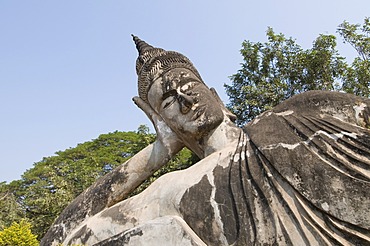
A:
172, 86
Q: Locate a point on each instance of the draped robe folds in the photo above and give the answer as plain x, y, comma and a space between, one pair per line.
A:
300, 175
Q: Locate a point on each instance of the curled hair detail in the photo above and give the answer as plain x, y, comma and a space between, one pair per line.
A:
154, 62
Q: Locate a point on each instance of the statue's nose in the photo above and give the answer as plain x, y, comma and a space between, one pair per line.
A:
186, 102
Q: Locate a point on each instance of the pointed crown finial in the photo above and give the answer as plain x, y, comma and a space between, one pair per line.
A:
141, 45
152, 62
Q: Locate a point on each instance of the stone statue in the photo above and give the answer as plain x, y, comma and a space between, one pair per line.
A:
296, 175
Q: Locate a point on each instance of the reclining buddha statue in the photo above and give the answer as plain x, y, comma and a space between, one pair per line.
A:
298, 174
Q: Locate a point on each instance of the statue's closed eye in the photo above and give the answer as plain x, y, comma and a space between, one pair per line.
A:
171, 93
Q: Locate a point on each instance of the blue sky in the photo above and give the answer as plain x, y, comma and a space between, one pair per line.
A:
67, 67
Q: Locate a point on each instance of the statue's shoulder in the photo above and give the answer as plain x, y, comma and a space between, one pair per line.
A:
346, 107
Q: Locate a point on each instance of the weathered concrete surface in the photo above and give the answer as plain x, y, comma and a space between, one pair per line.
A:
161, 231
298, 175
319, 142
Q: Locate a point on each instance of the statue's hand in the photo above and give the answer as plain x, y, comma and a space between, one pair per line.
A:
165, 135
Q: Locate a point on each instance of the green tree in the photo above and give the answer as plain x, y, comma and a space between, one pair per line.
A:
357, 77
10, 210
279, 68
18, 234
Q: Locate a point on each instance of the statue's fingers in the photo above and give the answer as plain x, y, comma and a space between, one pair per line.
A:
143, 105
148, 110
138, 101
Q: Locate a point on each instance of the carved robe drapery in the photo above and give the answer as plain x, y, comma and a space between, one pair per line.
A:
300, 175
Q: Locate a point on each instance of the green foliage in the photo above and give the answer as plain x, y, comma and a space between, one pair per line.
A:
280, 68
55, 181
358, 36
357, 78
18, 234
10, 210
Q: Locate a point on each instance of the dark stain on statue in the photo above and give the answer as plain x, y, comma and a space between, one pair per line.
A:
121, 238
115, 214
83, 235
229, 221
197, 211
98, 196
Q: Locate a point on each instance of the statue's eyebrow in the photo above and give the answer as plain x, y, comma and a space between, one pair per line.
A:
185, 81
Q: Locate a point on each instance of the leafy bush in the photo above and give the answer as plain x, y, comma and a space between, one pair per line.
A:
18, 234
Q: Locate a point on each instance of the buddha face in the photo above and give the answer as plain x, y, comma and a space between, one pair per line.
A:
185, 103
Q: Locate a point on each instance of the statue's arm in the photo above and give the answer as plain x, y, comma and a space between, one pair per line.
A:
120, 182
123, 180
139, 168
142, 165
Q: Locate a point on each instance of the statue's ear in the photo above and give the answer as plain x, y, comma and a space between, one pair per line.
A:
230, 115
